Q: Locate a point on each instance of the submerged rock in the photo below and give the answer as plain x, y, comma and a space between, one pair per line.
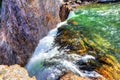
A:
14, 72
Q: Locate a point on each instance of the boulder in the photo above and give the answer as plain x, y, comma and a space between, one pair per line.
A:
14, 72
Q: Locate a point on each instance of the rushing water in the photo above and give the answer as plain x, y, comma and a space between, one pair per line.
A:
99, 25
49, 63
102, 22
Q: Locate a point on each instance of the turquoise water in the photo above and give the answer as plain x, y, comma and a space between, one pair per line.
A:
68, 47
100, 25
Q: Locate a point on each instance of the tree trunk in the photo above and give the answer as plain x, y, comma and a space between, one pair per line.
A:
24, 22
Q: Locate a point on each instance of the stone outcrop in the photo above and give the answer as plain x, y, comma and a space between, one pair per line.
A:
24, 22
14, 72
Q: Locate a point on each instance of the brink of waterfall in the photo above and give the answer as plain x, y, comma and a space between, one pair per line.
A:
86, 44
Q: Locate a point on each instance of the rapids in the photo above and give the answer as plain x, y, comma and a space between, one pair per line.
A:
94, 27
49, 63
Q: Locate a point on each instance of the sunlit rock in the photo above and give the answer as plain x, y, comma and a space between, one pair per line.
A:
14, 72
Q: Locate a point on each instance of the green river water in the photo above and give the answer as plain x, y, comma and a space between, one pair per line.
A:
87, 44
99, 24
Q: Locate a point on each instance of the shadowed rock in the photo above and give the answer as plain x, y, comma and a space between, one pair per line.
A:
24, 22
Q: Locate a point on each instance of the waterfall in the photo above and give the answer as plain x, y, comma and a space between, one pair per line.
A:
48, 63
88, 41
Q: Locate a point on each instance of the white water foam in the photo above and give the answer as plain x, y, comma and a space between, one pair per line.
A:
49, 63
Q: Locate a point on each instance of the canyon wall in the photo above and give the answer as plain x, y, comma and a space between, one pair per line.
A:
23, 23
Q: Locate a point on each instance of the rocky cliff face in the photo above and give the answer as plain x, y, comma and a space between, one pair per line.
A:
14, 72
24, 22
